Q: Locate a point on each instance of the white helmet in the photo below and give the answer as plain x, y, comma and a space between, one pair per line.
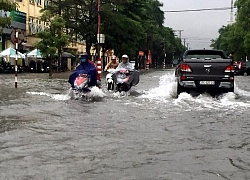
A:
125, 56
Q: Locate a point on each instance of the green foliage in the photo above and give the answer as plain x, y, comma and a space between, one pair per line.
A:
46, 45
235, 38
52, 38
6, 6
128, 25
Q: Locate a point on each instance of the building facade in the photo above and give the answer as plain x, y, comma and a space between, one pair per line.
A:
27, 20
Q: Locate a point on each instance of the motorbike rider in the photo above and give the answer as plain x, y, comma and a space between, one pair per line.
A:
113, 64
125, 64
86, 66
133, 74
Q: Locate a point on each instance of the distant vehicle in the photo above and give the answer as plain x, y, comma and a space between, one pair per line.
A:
205, 71
175, 62
242, 68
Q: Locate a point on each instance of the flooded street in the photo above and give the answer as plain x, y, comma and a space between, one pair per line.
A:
149, 135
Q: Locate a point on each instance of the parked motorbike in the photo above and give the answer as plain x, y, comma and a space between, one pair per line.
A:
45, 65
33, 66
109, 79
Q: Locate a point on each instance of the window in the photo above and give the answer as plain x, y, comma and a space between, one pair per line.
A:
46, 2
32, 27
39, 27
32, 1
39, 2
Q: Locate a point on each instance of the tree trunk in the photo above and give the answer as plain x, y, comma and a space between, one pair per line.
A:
88, 47
50, 67
59, 59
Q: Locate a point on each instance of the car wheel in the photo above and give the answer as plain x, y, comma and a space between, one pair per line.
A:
231, 89
180, 89
245, 74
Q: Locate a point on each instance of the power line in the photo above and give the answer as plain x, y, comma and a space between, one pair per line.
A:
195, 10
197, 38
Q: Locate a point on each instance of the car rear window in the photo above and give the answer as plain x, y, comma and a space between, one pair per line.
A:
201, 54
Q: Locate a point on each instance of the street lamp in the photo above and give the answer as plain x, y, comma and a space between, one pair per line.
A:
100, 41
100, 38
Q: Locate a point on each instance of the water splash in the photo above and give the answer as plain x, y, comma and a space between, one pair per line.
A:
241, 92
167, 91
60, 97
96, 92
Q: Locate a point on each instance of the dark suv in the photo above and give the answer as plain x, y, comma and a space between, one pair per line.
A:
242, 68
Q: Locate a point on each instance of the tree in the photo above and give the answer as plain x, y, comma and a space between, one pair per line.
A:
6, 5
128, 25
52, 38
235, 38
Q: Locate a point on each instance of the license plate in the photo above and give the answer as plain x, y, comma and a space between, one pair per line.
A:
207, 82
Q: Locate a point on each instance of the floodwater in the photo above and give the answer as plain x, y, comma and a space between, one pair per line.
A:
148, 135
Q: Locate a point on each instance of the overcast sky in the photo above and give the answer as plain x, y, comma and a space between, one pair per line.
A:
198, 27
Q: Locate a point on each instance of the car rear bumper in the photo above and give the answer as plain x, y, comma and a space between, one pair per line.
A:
196, 85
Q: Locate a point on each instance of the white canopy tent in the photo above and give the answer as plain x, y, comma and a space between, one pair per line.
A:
11, 53
34, 53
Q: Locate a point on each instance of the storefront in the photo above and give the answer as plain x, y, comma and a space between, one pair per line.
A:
18, 23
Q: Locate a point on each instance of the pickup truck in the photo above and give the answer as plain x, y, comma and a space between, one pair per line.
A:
205, 71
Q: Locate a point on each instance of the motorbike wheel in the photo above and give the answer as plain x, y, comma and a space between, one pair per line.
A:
120, 88
109, 86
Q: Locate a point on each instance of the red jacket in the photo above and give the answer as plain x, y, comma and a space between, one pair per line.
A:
97, 74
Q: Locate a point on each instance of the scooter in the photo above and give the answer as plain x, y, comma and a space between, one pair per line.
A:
109, 79
122, 81
81, 87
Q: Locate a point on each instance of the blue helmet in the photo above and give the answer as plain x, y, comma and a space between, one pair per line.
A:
83, 57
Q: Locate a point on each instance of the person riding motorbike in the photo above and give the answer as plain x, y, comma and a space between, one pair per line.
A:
85, 67
133, 74
125, 63
113, 64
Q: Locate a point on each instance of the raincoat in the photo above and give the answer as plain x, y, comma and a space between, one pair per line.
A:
87, 67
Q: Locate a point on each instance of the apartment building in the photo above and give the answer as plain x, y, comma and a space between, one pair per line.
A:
27, 20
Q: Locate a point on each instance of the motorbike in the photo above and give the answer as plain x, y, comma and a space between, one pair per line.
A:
109, 79
81, 87
122, 80
125, 79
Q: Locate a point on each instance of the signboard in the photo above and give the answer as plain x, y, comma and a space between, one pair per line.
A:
18, 16
18, 20
20, 38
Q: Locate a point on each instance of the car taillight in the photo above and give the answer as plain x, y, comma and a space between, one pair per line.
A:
183, 78
230, 68
185, 68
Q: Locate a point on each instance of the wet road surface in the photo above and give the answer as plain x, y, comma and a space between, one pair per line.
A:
149, 135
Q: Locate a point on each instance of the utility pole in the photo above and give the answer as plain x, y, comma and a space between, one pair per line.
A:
184, 41
180, 31
59, 36
99, 61
231, 13
164, 61
187, 45
16, 43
